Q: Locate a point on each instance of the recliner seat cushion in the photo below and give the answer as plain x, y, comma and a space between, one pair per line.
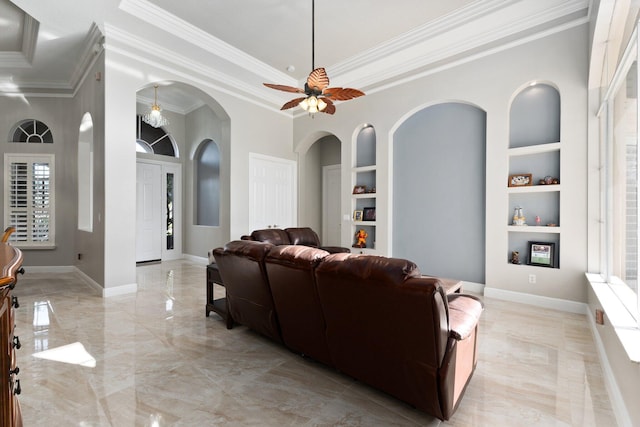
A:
291, 271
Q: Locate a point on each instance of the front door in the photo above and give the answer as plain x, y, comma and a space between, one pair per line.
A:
148, 212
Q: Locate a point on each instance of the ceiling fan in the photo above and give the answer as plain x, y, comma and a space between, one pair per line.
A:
319, 96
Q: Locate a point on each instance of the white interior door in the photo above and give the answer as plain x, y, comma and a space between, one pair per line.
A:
331, 212
148, 212
272, 192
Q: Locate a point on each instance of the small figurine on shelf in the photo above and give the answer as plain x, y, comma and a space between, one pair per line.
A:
515, 257
518, 217
361, 239
538, 220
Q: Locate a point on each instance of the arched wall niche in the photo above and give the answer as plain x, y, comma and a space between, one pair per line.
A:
534, 116
207, 183
85, 173
438, 178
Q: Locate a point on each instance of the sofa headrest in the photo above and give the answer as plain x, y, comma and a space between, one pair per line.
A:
296, 255
246, 248
303, 236
275, 236
370, 267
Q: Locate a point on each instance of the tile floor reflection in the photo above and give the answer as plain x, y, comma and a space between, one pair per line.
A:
160, 362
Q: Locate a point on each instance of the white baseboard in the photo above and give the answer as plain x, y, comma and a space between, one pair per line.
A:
49, 268
131, 288
476, 288
196, 259
536, 300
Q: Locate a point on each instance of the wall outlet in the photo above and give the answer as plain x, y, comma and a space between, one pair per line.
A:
532, 278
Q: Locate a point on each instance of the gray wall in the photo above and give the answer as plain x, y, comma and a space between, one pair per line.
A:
439, 191
63, 116
324, 152
202, 124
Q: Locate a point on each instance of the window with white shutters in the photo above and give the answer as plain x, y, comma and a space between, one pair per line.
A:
28, 200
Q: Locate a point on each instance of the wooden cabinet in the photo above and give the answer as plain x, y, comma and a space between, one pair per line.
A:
11, 264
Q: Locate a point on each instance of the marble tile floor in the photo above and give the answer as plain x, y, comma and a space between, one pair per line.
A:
154, 359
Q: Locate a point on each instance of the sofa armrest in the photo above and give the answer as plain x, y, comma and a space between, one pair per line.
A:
464, 314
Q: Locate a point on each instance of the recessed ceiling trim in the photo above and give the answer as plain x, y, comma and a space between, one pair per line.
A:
29, 37
165, 21
141, 49
202, 82
394, 81
418, 45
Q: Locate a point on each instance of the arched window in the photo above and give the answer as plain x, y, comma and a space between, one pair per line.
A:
31, 130
85, 173
207, 163
153, 140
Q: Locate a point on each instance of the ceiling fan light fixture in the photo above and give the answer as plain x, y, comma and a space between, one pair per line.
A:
154, 116
321, 104
318, 95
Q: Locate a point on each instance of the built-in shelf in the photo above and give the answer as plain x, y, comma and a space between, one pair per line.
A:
534, 150
532, 229
535, 188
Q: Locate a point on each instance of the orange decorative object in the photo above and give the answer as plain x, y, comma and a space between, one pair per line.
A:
361, 239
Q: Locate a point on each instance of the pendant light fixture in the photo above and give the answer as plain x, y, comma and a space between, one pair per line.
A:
154, 116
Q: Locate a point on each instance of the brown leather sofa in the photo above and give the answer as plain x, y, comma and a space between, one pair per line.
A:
242, 269
374, 318
292, 236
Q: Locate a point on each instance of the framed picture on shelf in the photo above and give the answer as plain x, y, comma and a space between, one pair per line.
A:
542, 254
369, 214
520, 180
359, 189
357, 215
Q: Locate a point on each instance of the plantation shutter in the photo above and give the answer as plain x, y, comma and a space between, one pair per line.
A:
29, 199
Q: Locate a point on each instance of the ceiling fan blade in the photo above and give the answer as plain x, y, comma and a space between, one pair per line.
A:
330, 108
318, 80
284, 88
292, 103
342, 93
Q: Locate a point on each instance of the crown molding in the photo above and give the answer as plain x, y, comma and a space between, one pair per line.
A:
167, 106
91, 48
161, 19
433, 43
